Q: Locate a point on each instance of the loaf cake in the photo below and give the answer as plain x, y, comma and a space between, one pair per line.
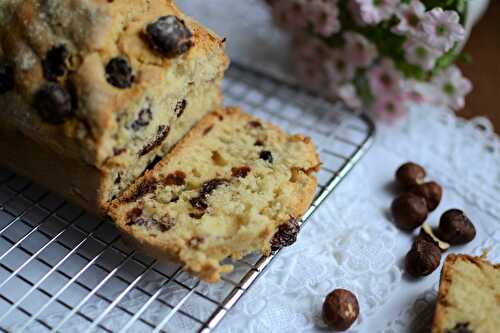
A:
469, 296
223, 191
93, 92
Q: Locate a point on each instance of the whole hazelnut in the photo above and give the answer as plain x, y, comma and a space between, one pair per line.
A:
409, 211
432, 192
456, 228
423, 258
340, 309
410, 174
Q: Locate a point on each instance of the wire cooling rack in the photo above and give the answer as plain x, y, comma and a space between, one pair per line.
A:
63, 270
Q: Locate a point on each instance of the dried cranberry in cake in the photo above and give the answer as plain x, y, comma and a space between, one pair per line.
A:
53, 103
169, 36
177, 178
143, 119
180, 107
241, 172
7, 81
119, 73
54, 64
266, 155
286, 235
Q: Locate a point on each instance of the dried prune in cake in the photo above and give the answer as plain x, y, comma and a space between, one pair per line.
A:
7, 80
161, 135
147, 186
55, 62
255, 124
150, 223
266, 155
170, 36
460, 328
143, 118
53, 103
286, 235
119, 73
180, 107
207, 188
167, 221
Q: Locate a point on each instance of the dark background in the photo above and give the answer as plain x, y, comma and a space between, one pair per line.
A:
484, 71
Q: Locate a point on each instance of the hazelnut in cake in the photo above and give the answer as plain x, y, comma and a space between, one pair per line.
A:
232, 186
469, 296
101, 88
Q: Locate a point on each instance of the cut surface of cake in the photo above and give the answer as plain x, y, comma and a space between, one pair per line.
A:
223, 191
469, 296
101, 87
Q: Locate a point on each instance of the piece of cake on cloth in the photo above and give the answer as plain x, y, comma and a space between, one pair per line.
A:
469, 296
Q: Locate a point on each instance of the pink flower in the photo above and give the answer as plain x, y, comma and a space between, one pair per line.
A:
389, 107
338, 68
290, 14
347, 93
324, 16
418, 53
384, 78
451, 88
375, 11
442, 29
311, 75
310, 49
410, 16
359, 50
355, 10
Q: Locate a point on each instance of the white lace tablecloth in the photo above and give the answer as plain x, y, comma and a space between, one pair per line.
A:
350, 241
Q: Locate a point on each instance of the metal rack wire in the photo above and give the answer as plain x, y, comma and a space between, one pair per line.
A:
63, 270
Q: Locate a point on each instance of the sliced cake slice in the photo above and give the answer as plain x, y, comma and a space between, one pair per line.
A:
469, 296
224, 191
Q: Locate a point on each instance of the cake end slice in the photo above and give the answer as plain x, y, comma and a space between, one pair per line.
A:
469, 296
223, 191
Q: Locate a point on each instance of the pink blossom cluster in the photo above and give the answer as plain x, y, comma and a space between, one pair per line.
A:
356, 70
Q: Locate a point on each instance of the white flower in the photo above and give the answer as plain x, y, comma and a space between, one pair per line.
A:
451, 88
347, 93
375, 11
410, 16
419, 53
359, 50
442, 29
324, 16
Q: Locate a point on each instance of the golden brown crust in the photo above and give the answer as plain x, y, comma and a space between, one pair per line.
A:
206, 264
448, 276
